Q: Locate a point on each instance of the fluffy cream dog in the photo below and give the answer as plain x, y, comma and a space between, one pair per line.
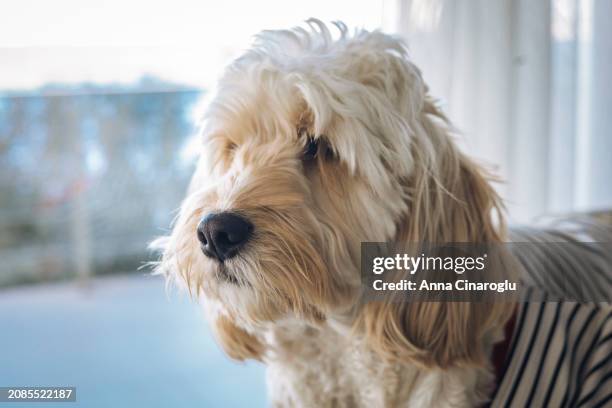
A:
318, 140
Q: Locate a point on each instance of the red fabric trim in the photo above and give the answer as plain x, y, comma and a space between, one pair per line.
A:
501, 349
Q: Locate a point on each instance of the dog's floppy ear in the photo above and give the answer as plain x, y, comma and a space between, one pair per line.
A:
449, 201
237, 342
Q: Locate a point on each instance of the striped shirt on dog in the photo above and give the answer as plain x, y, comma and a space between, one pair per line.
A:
560, 354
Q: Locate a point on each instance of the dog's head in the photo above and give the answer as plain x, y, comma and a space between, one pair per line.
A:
312, 145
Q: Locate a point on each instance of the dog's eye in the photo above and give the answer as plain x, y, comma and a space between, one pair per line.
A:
311, 149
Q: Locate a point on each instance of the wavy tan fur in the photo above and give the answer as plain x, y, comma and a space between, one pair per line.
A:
387, 169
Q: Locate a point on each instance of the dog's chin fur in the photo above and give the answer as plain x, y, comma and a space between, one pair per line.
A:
387, 169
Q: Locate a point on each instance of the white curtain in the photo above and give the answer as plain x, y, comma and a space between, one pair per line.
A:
529, 83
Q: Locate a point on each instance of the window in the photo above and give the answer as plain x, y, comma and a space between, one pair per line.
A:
98, 101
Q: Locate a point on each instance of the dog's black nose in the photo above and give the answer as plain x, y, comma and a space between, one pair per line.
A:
223, 234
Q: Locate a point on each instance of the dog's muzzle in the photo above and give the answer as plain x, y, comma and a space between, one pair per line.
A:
222, 235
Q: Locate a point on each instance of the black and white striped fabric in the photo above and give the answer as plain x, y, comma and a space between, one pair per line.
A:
560, 354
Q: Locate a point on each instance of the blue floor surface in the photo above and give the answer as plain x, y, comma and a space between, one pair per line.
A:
122, 342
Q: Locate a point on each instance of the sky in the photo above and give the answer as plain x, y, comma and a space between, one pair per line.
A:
184, 41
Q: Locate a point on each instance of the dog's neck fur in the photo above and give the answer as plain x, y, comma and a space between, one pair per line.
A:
323, 366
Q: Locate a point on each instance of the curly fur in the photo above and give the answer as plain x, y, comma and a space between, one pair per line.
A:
388, 170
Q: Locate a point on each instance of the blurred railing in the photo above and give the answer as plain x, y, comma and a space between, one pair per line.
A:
88, 175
